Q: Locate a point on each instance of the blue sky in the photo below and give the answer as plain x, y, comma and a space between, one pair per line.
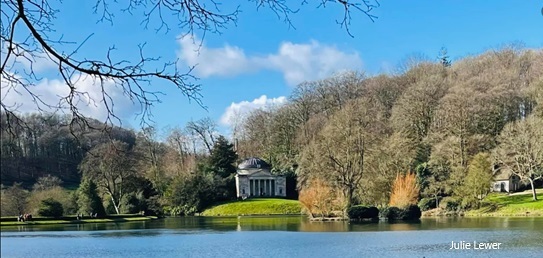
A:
260, 60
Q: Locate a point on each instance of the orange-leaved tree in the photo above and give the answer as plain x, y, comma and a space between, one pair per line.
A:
405, 190
318, 198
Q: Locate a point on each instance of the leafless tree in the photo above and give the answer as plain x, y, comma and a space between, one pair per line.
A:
111, 166
205, 129
521, 150
27, 34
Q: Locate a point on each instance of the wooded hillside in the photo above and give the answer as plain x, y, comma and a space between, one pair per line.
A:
358, 132
455, 125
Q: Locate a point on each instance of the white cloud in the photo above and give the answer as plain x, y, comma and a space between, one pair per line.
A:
297, 62
36, 61
302, 62
51, 92
236, 112
223, 61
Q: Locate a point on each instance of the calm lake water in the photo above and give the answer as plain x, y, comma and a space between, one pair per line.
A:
276, 237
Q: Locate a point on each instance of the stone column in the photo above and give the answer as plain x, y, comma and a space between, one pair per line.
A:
268, 192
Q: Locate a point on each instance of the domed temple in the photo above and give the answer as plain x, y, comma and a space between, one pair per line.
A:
254, 178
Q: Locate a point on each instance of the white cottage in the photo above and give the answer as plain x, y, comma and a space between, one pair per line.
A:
505, 181
254, 179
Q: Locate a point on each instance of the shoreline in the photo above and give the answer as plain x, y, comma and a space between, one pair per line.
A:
52, 221
475, 214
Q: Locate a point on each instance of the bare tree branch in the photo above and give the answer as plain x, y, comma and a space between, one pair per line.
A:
27, 25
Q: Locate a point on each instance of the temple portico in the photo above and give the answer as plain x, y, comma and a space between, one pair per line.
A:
254, 179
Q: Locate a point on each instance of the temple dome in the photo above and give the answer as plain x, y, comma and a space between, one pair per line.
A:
253, 163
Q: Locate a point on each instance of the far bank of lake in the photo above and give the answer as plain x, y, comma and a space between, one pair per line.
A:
12, 221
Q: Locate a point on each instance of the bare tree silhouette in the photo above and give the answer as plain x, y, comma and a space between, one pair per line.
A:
34, 21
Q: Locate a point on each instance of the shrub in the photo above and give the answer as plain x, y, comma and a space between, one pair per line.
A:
405, 191
57, 193
319, 198
133, 203
449, 204
411, 212
153, 206
363, 212
390, 213
190, 194
372, 212
50, 208
427, 204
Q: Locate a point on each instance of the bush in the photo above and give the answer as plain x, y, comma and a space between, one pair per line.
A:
363, 212
132, 203
405, 191
56, 193
390, 213
449, 204
319, 198
190, 194
50, 208
427, 204
412, 212
154, 207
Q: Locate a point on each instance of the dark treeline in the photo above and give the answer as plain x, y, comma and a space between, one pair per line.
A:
40, 145
115, 170
454, 125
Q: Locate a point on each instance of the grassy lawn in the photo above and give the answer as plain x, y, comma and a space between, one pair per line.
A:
43, 221
517, 204
257, 206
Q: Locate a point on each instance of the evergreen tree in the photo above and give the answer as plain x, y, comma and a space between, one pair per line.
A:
444, 58
476, 185
51, 208
88, 199
223, 156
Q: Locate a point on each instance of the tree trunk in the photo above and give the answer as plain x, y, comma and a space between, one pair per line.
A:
348, 201
115, 205
534, 194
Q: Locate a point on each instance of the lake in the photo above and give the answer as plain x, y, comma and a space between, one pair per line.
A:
277, 236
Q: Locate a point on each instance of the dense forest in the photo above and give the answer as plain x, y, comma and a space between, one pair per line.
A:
452, 125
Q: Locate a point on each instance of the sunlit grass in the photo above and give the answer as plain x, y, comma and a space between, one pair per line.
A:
519, 204
257, 206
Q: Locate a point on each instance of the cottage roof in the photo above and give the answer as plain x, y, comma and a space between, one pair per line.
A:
502, 174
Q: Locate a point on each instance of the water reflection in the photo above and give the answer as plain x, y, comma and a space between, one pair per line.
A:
235, 237
287, 223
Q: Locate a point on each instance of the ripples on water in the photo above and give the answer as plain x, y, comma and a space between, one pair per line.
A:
275, 237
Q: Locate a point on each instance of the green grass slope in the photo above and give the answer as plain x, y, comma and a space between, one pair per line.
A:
257, 206
517, 204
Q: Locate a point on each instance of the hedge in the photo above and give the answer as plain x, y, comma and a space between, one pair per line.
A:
363, 212
411, 212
